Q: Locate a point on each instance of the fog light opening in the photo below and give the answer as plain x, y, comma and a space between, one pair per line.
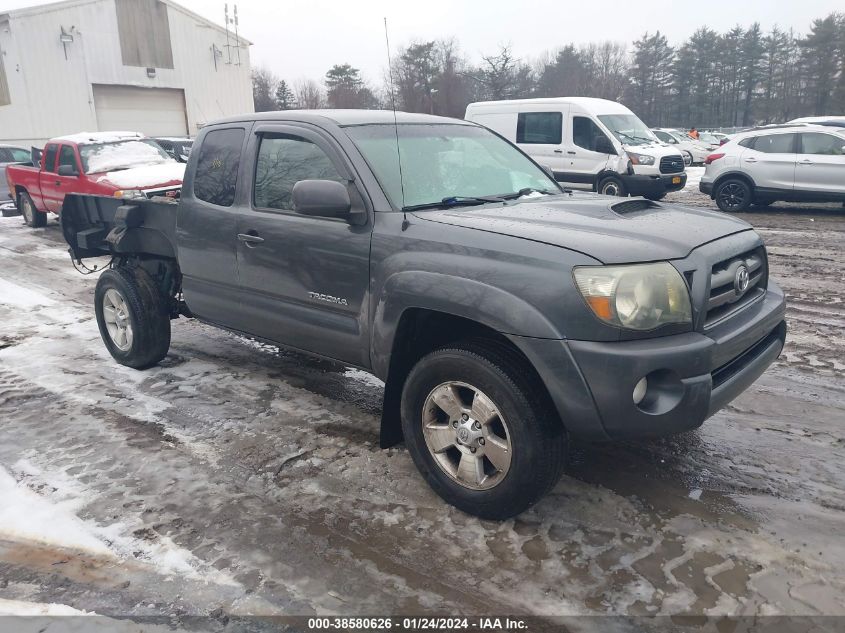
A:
640, 390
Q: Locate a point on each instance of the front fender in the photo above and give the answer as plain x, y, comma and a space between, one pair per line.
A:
482, 303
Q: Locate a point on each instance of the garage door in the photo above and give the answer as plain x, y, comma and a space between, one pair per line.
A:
152, 111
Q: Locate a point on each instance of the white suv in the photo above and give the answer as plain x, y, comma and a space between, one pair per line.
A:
803, 163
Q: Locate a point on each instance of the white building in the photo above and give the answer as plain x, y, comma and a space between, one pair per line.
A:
94, 65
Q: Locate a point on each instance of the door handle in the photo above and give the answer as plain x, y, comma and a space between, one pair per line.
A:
750, 160
58, 183
805, 162
558, 151
571, 152
250, 239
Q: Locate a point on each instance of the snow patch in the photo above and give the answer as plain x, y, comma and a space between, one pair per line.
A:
123, 155
15, 295
24, 515
85, 138
147, 176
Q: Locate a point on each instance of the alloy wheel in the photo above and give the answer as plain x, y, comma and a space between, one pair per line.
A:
467, 435
732, 195
116, 316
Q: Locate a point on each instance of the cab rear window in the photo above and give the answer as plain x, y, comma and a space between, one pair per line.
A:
216, 176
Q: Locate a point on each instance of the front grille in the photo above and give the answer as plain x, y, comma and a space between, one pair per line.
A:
671, 165
724, 298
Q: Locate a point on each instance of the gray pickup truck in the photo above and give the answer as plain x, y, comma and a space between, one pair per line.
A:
504, 313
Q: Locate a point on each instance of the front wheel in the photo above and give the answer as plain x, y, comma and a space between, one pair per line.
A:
31, 216
733, 195
688, 159
612, 186
480, 430
132, 316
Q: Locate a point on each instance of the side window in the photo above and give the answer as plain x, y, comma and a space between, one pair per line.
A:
216, 174
49, 160
776, 144
663, 136
539, 127
825, 144
67, 157
20, 155
284, 160
585, 132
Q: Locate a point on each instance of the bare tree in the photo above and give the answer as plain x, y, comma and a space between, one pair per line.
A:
309, 95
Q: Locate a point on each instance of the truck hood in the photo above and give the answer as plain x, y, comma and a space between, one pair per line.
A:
612, 230
146, 176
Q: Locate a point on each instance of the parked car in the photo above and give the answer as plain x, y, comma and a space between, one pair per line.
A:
805, 163
587, 142
721, 137
109, 163
709, 140
504, 313
10, 154
694, 151
177, 147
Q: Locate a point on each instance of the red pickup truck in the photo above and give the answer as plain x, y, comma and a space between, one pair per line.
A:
101, 163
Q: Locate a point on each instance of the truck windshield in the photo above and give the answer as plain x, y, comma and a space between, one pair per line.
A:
445, 161
102, 157
628, 129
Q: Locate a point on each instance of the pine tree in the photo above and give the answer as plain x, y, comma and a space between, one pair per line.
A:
284, 97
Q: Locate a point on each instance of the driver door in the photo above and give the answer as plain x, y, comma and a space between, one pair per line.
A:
305, 278
56, 186
585, 161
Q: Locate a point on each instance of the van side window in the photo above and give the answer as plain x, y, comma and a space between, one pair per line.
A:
284, 160
49, 160
539, 128
585, 132
216, 175
776, 144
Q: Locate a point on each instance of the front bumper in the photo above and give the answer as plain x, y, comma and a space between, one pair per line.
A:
644, 185
691, 376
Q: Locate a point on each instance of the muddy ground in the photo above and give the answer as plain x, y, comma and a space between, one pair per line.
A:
238, 479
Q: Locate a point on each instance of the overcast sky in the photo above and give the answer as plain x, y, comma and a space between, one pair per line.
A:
304, 38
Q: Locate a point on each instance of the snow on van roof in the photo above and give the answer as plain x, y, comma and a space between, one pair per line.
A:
85, 138
594, 104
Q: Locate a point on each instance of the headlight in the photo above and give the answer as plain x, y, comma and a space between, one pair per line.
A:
129, 193
635, 297
641, 159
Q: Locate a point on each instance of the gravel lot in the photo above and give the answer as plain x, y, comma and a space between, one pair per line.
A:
238, 479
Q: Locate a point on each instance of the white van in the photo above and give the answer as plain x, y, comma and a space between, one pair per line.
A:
587, 143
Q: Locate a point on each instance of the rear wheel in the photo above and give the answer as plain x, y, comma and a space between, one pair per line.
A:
480, 431
733, 195
31, 216
132, 316
611, 186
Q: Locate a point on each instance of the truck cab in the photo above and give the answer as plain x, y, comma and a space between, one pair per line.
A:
587, 143
504, 313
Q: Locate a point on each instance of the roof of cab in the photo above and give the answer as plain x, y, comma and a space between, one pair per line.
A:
341, 117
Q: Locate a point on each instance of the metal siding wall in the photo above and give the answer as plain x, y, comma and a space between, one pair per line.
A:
51, 96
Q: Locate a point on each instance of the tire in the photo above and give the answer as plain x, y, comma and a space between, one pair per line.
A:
31, 216
524, 420
128, 296
733, 195
611, 186
687, 159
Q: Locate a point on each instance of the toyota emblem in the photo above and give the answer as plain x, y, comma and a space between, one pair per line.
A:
741, 280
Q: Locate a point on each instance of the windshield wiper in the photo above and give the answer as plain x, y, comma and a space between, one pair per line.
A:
455, 201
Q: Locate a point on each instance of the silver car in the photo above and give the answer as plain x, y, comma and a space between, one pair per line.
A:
799, 163
10, 154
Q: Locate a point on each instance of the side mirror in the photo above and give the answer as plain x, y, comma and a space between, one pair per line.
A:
604, 146
321, 198
67, 170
